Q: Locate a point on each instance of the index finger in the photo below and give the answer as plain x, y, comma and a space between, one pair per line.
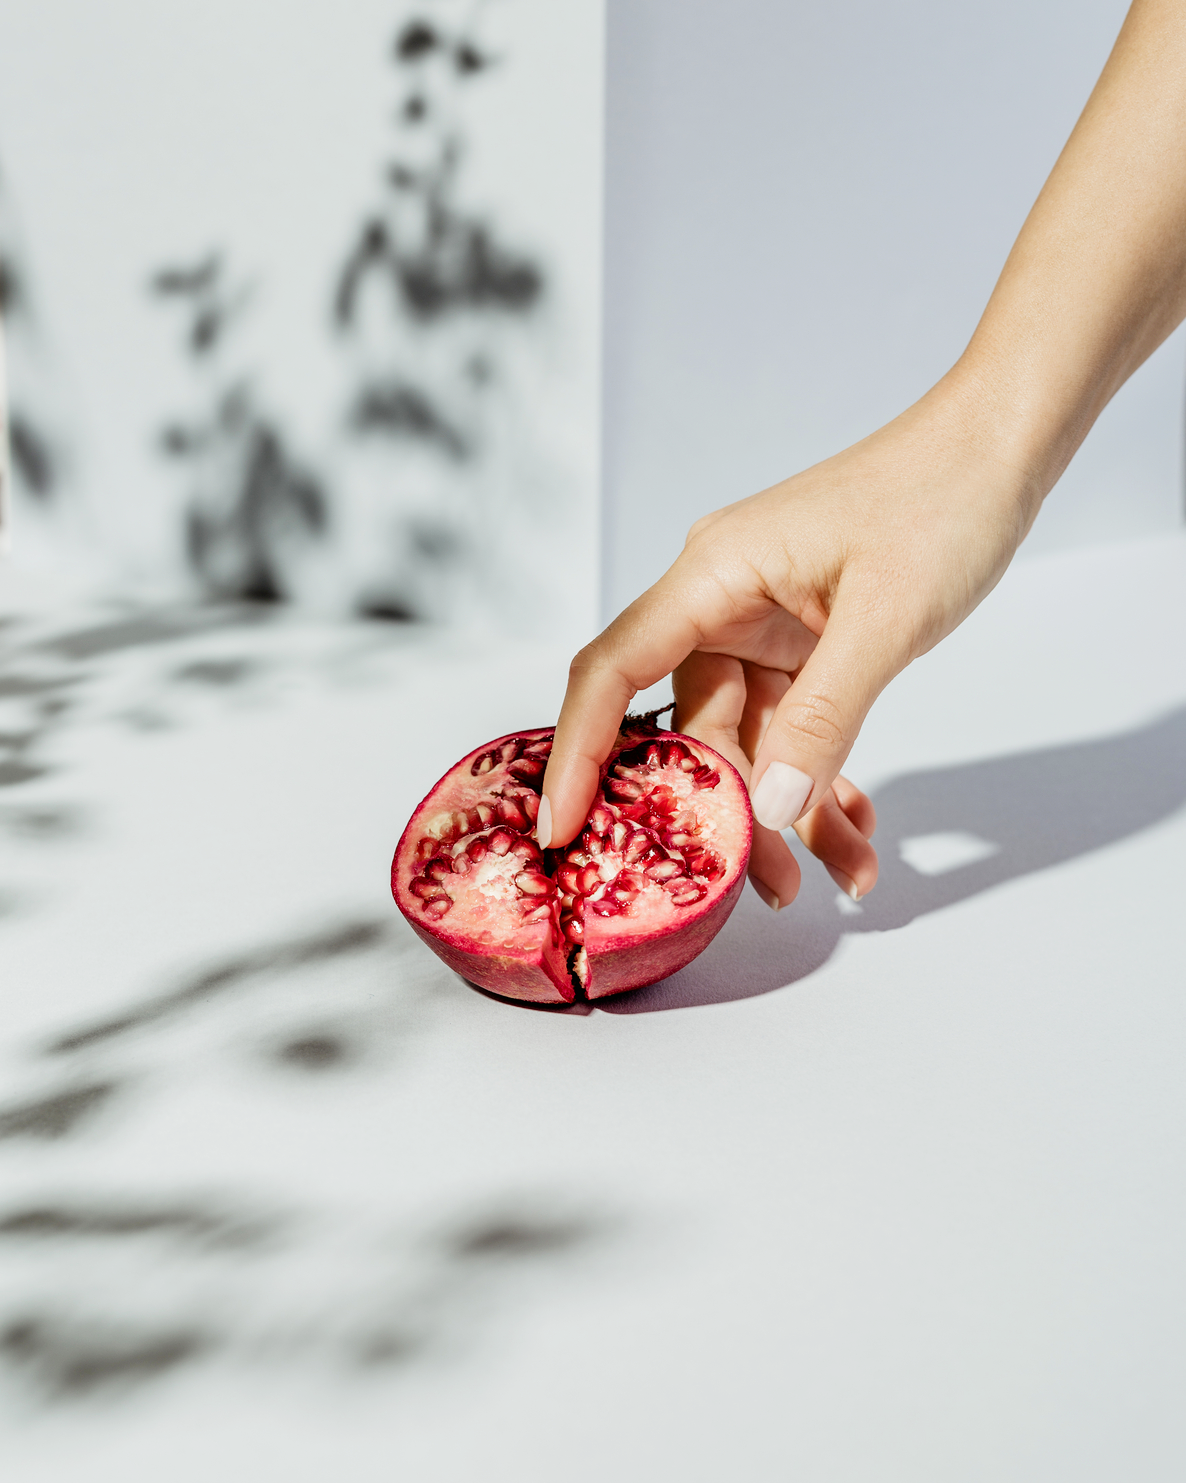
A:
641, 645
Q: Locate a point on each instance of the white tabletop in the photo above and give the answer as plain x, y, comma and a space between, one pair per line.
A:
888, 1192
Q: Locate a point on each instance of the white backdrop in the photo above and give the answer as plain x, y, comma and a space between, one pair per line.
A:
807, 206
135, 136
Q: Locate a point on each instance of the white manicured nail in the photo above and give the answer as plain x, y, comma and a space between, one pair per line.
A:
543, 823
848, 887
779, 798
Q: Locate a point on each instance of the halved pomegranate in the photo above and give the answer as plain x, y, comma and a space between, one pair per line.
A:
637, 895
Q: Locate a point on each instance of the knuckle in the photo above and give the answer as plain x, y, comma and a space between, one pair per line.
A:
698, 527
819, 719
584, 662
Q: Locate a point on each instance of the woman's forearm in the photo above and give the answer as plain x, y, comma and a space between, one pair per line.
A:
1097, 277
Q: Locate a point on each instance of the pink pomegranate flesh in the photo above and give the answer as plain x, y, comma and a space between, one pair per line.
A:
643, 889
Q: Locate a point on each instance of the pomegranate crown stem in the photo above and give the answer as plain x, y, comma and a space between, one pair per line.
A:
648, 718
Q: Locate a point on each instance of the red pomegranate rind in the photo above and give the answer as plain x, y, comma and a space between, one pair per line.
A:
640, 893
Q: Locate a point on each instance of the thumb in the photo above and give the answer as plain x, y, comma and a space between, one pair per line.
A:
817, 721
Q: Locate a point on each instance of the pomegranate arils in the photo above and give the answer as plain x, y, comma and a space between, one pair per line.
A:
426, 889
500, 841
640, 846
685, 892
601, 821
532, 883
510, 813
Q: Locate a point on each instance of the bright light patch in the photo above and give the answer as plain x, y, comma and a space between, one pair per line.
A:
937, 854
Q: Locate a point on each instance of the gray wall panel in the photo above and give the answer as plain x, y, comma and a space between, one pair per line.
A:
807, 207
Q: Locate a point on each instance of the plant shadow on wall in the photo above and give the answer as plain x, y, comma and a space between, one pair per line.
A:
943, 837
251, 502
36, 446
429, 313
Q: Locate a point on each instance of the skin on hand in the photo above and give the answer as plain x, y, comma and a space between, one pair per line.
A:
787, 613
783, 618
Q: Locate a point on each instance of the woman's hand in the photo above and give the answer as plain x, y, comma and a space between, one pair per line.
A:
786, 615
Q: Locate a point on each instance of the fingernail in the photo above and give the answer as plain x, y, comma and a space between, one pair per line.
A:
543, 823
765, 893
848, 887
779, 798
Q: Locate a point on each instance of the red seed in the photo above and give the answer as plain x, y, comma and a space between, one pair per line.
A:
568, 876
437, 908
486, 814
532, 883
428, 890
462, 864
500, 841
620, 832
482, 764
623, 790
662, 800
527, 767
605, 907
460, 824
640, 843
688, 763
591, 843
601, 821
527, 849
477, 849
509, 750
685, 892
588, 880
533, 913
530, 805
679, 841
673, 753
574, 929
541, 748
664, 870
438, 870
510, 813
705, 777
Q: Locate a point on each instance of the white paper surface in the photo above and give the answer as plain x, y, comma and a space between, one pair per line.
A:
890, 1193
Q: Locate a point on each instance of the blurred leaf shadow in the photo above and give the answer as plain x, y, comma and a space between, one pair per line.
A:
1016, 815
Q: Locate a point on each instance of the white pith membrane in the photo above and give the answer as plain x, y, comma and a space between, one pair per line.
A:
649, 853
